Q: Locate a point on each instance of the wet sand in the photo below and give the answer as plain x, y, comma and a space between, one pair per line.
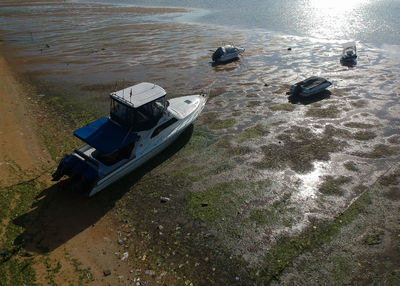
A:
256, 171
21, 154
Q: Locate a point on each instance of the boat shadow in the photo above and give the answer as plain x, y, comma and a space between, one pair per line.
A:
59, 214
294, 99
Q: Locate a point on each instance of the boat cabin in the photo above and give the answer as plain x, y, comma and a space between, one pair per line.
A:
349, 49
138, 107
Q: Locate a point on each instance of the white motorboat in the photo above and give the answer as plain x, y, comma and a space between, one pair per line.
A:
309, 86
226, 53
349, 54
142, 123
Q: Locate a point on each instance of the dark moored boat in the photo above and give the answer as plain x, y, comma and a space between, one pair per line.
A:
309, 86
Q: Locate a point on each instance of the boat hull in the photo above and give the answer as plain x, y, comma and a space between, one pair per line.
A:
349, 61
228, 57
346, 58
132, 165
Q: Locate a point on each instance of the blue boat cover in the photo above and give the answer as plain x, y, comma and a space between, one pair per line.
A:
105, 135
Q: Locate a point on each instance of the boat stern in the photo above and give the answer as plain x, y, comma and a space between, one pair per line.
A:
82, 176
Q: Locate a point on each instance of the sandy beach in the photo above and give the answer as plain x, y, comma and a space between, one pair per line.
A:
261, 190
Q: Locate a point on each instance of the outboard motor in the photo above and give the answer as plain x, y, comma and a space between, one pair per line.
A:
82, 176
65, 167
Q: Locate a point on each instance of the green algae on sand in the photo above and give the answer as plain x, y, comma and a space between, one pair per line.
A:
316, 111
380, 151
298, 148
332, 186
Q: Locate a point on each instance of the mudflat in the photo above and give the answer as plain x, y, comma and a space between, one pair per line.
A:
263, 189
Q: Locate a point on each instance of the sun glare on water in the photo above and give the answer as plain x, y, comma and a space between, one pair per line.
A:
336, 5
333, 19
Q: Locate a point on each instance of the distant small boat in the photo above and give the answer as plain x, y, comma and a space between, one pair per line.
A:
349, 54
309, 86
226, 53
142, 123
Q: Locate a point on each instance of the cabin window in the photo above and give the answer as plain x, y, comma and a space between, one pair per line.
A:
121, 113
137, 119
163, 126
154, 108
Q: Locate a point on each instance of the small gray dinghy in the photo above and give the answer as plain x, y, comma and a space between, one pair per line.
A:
309, 86
226, 53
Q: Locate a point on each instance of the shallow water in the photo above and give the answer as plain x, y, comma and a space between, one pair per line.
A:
362, 20
87, 44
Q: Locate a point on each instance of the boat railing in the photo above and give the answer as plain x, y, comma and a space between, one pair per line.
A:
123, 100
